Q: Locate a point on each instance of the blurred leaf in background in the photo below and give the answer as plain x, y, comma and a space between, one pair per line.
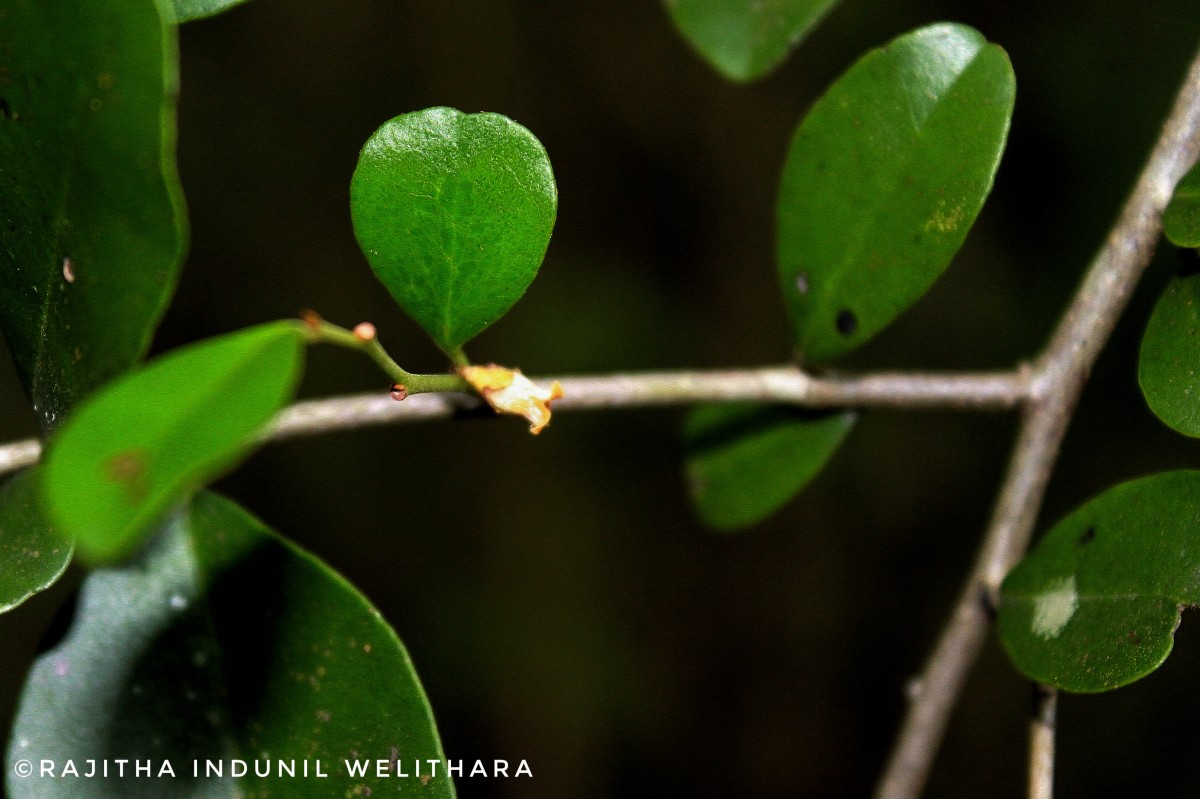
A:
257, 650
95, 224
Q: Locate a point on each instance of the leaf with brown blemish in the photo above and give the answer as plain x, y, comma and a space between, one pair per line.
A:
131, 470
150, 439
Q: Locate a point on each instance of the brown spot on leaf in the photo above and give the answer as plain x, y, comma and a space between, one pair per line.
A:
131, 470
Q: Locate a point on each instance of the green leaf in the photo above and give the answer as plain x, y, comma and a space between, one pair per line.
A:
883, 180
746, 39
187, 10
1181, 220
94, 223
454, 213
150, 439
32, 555
745, 461
1096, 604
1170, 357
224, 642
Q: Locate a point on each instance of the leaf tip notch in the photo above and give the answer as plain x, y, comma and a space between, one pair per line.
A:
454, 213
1095, 605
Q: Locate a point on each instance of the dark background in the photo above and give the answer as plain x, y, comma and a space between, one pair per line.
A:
560, 602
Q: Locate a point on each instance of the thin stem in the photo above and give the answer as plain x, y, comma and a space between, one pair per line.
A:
1057, 380
364, 339
990, 391
787, 384
1041, 742
19, 454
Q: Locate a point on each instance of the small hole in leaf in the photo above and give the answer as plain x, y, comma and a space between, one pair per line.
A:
847, 322
1088, 536
802, 282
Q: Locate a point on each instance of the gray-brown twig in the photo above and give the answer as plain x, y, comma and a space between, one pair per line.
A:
1057, 380
780, 384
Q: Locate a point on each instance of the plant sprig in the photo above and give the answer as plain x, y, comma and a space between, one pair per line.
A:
365, 339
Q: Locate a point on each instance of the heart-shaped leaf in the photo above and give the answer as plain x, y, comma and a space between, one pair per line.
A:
93, 221
150, 439
454, 213
1096, 604
746, 39
32, 556
883, 180
1169, 364
225, 643
1181, 220
745, 461
187, 10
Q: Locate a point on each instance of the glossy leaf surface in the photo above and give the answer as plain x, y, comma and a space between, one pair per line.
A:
883, 180
90, 203
223, 642
745, 461
1095, 605
32, 556
746, 39
454, 213
150, 439
186, 10
1181, 220
1169, 364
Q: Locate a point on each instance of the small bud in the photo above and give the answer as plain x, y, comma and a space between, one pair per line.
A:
399, 391
509, 391
364, 332
312, 319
